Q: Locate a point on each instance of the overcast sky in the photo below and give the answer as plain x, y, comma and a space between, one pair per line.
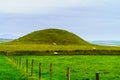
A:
89, 19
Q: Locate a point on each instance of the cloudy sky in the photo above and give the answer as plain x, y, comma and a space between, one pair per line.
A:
89, 19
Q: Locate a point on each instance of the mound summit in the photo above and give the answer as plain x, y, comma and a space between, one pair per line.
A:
51, 36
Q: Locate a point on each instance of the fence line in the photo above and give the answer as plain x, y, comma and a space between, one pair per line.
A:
51, 71
97, 76
19, 62
40, 71
27, 65
68, 73
32, 67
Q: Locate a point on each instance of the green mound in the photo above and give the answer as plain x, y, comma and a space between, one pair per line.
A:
51, 36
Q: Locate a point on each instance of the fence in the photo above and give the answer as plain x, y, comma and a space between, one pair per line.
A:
18, 61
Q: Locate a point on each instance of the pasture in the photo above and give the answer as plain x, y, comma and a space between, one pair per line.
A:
82, 67
8, 71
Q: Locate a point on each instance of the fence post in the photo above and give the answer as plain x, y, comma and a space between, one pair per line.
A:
16, 60
39, 71
13, 59
19, 61
27, 65
97, 76
68, 73
51, 71
32, 65
22, 63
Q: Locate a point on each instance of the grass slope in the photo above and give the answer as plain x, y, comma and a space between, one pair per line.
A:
51, 36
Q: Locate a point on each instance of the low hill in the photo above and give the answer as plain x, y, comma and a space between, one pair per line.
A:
48, 41
51, 36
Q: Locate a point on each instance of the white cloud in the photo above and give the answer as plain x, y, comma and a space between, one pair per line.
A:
44, 6
32, 6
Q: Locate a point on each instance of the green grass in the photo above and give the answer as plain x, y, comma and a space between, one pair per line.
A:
82, 67
50, 48
51, 36
9, 72
36, 47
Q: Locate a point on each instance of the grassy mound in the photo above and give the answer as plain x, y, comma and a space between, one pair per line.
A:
48, 41
52, 37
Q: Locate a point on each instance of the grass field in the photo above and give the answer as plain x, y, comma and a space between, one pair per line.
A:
50, 48
9, 72
82, 67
